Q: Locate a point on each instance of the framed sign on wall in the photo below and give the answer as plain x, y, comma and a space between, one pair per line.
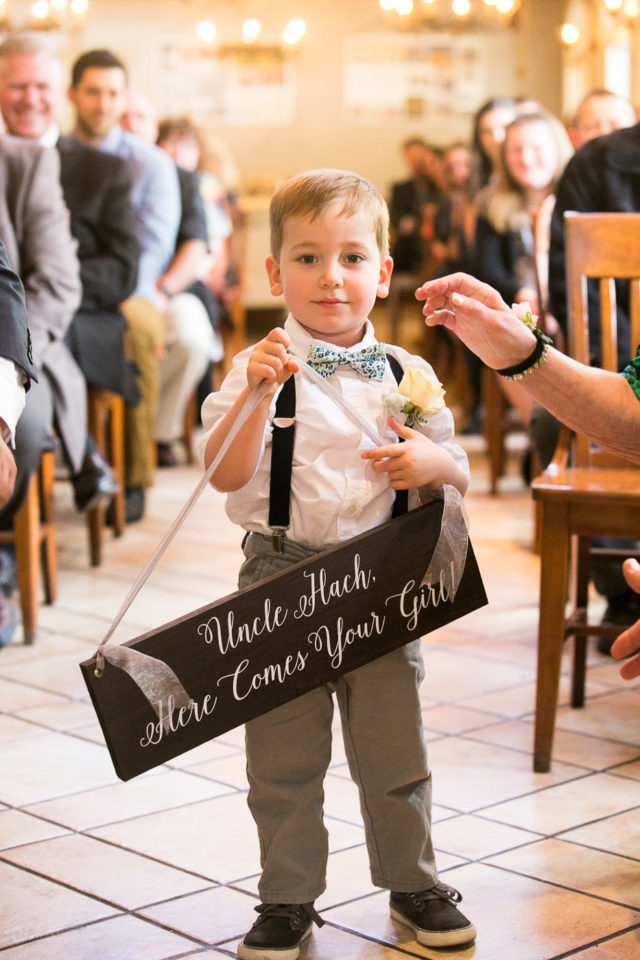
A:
415, 76
227, 85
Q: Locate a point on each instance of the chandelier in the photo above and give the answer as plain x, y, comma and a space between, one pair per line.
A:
42, 14
466, 13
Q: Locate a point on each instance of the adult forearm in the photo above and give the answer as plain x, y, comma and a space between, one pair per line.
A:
591, 401
595, 402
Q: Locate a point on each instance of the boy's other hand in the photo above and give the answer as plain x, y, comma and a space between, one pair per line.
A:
270, 361
415, 463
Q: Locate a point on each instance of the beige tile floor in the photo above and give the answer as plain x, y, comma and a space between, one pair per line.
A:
166, 865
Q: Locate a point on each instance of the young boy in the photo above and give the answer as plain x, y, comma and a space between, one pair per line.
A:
329, 259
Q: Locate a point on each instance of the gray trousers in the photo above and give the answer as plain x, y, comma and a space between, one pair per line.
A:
289, 750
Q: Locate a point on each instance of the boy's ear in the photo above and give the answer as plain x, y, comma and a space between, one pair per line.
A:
386, 268
273, 272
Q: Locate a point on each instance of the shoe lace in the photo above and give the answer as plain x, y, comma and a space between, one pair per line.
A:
441, 891
298, 914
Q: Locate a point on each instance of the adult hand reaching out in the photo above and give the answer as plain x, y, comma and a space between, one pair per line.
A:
598, 403
477, 314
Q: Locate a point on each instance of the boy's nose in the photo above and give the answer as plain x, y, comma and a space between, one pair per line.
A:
331, 275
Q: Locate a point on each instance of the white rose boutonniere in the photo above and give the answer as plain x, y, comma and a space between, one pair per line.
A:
419, 396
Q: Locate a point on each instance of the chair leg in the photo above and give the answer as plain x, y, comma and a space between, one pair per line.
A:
188, 426
579, 669
495, 407
95, 516
116, 455
554, 556
26, 525
95, 524
106, 424
49, 547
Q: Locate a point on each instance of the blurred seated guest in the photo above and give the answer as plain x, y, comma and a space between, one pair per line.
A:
189, 339
97, 92
407, 204
600, 112
139, 115
16, 371
454, 222
28, 83
455, 218
181, 140
96, 190
534, 153
227, 221
489, 124
527, 105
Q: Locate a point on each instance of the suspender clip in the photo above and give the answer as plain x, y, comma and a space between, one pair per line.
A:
277, 538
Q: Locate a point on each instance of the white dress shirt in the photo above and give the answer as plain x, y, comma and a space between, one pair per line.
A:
12, 398
335, 494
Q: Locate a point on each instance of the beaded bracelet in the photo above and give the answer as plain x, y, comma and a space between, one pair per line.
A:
537, 356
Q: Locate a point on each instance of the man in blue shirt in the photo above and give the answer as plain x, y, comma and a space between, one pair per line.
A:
97, 92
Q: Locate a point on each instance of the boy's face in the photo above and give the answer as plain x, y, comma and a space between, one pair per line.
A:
330, 273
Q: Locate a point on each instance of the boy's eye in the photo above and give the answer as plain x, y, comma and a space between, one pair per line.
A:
354, 258
307, 258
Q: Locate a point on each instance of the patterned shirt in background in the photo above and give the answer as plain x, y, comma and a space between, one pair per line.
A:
632, 373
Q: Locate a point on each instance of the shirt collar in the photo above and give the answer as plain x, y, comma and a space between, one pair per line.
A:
51, 136
301, 341
112, 140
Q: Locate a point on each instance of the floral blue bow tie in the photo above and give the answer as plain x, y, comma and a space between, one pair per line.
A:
369, 362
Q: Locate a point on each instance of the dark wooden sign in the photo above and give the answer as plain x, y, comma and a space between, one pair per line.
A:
269, 643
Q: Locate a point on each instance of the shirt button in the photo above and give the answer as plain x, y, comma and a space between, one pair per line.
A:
352, 509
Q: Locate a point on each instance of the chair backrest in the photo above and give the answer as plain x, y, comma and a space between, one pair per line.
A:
604, 247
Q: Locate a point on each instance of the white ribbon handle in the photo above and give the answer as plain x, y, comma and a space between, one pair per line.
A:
154, 677
450, 555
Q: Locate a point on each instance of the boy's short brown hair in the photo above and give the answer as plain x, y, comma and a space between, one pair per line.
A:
307, 195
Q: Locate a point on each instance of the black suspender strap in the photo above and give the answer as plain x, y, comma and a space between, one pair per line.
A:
282, 460
401, 502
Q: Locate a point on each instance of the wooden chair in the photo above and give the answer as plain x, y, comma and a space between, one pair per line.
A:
498, 420
106, 425
34, 540
599, 494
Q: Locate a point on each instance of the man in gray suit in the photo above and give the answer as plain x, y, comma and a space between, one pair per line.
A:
35, 227
16, 371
